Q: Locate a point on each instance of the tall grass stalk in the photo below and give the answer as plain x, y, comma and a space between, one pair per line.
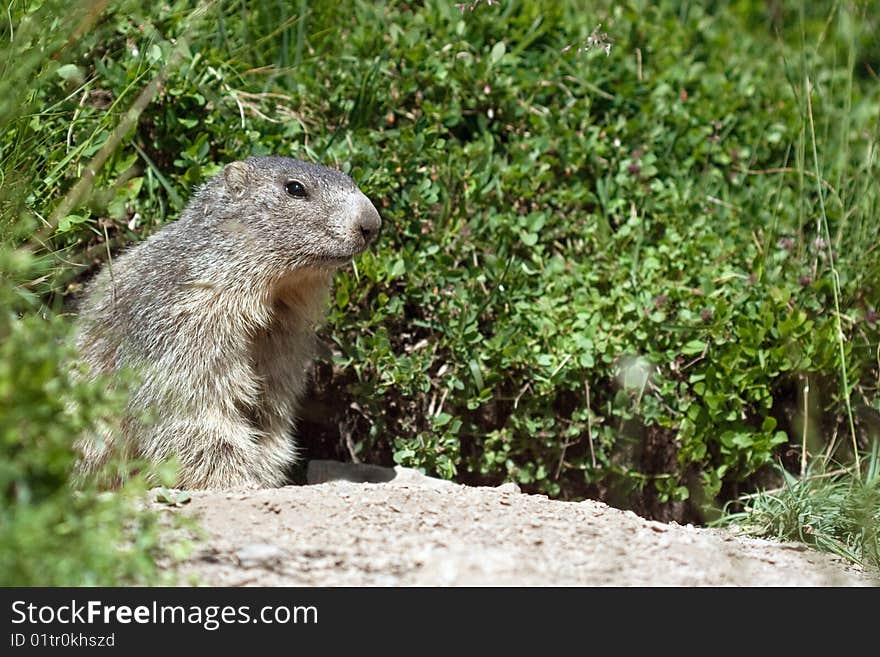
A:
835, 281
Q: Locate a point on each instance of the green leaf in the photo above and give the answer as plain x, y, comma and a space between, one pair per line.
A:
173, 498
497, 52
476, 373
529, 239
693, 347
342, 297
71, 220
154, 53
397, 269
441, 419
70, 73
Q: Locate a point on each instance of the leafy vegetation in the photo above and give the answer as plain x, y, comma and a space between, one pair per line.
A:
50, 535
641, 276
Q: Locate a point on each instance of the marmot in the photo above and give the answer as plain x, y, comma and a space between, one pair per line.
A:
216, 313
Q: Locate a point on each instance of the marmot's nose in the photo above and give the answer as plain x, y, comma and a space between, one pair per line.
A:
368, 222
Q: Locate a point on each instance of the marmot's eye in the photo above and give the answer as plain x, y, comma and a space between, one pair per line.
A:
295, 188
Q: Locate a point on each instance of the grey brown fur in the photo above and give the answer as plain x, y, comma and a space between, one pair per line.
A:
216, 313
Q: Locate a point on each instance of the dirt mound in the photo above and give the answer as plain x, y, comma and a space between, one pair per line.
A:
412, 530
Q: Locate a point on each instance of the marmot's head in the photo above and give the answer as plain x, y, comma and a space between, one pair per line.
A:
308, 214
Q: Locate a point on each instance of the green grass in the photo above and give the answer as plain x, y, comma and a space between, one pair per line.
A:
836, 512
604, 275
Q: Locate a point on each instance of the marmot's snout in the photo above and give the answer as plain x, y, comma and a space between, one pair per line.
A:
365, 223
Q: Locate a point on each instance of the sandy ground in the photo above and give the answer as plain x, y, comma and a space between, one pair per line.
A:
413, 530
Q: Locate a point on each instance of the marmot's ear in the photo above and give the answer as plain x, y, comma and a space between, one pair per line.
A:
237, 176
